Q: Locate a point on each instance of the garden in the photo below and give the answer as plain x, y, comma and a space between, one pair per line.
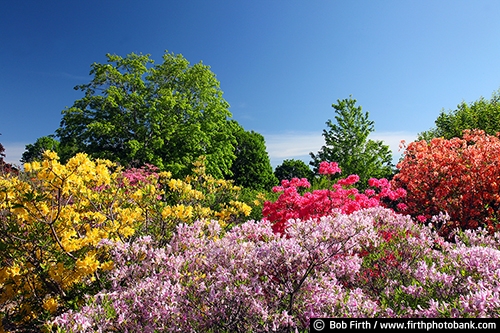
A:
138, 216
89, 246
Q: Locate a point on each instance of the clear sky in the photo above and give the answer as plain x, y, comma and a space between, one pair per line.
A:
281, 63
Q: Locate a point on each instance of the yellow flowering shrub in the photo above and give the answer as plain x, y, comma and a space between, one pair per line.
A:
196, 197
52, 216
210, 197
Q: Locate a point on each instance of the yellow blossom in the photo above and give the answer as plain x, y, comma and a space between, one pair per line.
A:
107, 265
50, 304
14, 270
88, 265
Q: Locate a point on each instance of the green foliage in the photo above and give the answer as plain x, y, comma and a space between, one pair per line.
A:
482, 114
347, 143
34, 152
167, 114
252, 168
293, 169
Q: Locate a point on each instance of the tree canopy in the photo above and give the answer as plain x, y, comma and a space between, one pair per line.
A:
292, 168
482, 114
35, 151
135, 112
252, 166
347, 143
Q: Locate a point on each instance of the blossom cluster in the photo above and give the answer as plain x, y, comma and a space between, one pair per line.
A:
343, 198
328, 168
251, 279
460, 176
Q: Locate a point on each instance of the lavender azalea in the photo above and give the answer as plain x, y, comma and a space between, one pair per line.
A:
371, 263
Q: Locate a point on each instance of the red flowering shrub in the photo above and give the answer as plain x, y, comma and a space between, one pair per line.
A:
5, 167
460, 176
342, 198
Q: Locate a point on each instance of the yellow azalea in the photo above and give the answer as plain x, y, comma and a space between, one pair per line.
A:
69, 241
84, 201
21, 213
241, 207
166, 212
112, 226
57, 272
97, 218
80, 161
27, 167
50, 304
223, 214
130, 216
175, 184
127, 231
50, 155
204, 212
35, 165
93, 236
222, 224
107, 265
183, 212
13, 271
165, 174
137, 195
197, 195
88, 265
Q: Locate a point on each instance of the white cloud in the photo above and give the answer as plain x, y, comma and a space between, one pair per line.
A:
298, 145
13, 152
291, 145
393, 140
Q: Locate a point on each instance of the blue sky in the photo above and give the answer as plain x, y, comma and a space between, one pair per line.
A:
281, 64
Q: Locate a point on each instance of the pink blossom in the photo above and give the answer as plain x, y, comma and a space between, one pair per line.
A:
328, 168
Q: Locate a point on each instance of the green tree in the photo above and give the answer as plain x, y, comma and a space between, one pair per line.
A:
252, 167
481, 114
34, 152
136, 112
293, 169
347, 143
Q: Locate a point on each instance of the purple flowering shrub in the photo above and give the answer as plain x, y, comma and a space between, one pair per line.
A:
371, 263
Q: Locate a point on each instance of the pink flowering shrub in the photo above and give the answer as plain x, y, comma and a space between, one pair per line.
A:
343, 198
143, 174
251, 279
